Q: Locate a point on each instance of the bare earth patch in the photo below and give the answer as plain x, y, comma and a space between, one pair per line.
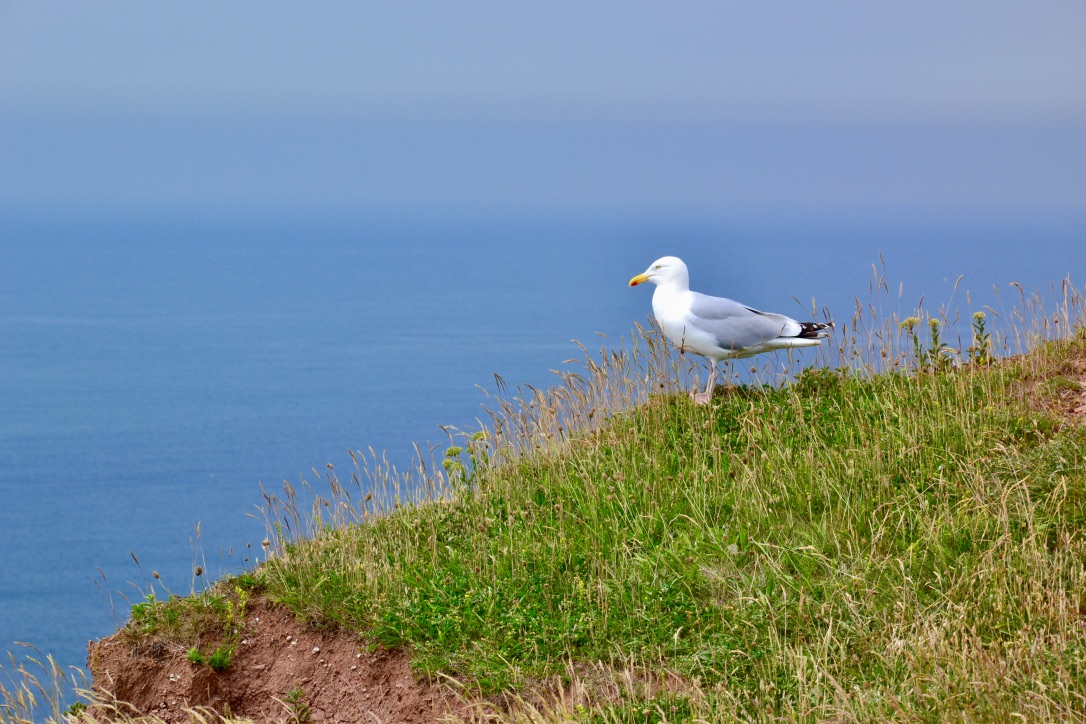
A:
338, 679
1058, 386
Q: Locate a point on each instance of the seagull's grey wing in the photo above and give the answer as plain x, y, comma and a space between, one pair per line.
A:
734, 325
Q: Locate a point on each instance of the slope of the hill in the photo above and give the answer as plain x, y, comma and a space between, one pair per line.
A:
900, 534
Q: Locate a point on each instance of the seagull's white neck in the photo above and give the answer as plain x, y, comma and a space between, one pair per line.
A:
676, 282
671, 294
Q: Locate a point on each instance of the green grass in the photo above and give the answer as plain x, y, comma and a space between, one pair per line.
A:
897, 532
852, 545
298, 711
206, 626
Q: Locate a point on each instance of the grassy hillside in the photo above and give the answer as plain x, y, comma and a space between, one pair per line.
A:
900, 532
852, 545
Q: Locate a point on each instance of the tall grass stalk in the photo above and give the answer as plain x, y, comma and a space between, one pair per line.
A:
33, 687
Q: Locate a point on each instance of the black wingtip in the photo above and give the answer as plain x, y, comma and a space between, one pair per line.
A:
814, 330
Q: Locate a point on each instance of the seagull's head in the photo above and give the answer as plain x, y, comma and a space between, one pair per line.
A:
665, 270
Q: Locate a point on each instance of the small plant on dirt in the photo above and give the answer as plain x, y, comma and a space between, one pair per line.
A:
221, 658
297, 709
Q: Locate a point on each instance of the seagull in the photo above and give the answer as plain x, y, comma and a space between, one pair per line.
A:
715, 327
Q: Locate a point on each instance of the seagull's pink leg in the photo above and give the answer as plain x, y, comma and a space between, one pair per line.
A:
701, 398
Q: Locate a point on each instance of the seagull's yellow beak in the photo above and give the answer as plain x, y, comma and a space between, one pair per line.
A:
639, 279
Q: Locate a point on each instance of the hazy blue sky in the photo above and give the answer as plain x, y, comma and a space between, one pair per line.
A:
698, 105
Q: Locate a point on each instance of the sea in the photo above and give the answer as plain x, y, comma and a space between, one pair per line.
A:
160, 370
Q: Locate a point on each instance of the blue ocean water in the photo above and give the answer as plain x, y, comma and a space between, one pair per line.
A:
156, 369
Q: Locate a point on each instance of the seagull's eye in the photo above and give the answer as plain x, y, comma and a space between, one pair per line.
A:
658, 266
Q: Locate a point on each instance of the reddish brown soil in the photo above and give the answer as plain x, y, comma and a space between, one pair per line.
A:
1066, 400
341, 680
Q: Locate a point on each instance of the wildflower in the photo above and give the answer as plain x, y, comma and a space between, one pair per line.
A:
909, 323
